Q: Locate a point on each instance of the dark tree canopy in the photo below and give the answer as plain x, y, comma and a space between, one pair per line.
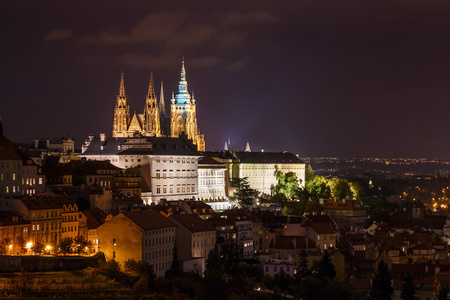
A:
408, 288
381, 285
242, 191
326, 266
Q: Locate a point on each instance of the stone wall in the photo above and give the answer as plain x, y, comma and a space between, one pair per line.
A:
48, 263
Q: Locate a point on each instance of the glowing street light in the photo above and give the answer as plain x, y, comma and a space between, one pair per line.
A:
29, 245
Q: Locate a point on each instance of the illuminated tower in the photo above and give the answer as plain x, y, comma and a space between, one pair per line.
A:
183, 117
164, 122
151, 126
121, 113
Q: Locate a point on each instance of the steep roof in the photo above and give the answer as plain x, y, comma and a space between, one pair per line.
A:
292, 242
146, 146
208, 160
342, 204
39, 203
193, 223
268, 157
148, 219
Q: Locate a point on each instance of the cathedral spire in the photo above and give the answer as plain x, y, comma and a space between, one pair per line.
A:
151, 125
121, 112
162, 107
183, 96
183, 70
122, 86
151, 87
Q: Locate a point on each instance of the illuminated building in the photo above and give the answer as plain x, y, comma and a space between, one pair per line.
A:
211, 180
259, 167
195, 240
19, 175
139, 235
13, 227
167, 166
43, 213
152, 123
183, 115
70, 223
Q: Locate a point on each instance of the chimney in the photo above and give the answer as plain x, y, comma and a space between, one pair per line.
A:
36, 143
102, 137
47, 143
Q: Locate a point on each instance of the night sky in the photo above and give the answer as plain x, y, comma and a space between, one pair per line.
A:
317, 78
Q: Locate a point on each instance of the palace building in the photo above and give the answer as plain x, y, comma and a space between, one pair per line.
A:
152, 123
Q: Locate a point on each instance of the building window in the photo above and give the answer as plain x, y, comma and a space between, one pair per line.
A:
158, 174
158, 189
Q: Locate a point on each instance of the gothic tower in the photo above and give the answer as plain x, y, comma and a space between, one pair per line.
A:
121, 113
165, 129
183, 118
151, 126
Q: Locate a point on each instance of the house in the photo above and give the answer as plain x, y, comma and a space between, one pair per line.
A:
196, 238
140, 235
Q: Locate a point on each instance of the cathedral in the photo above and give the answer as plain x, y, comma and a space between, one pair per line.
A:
153, 122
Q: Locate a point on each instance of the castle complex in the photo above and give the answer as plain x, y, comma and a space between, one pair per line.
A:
152, 123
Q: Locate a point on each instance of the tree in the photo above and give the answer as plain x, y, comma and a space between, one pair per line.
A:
80, 243
242, 191
214, 262
356, 189
339, 188
282, 280
65, 245
303, 270
21, 243
309, 173
4, 245
38, 247
408, 288
326, 267
443, 293
175, 267
317, 187
381, 286
287, 186
439, 290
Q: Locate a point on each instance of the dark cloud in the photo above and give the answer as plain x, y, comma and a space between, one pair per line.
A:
347, 78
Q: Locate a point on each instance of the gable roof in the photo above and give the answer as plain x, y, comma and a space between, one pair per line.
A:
267, 157
148, 219
141, 146
193, 223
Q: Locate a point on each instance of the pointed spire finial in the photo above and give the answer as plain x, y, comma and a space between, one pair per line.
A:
122, 86
162, 106
225, 147
183, 70
173, 98
247, 148
151, 87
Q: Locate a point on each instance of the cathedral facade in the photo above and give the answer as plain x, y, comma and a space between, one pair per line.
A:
152, 123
